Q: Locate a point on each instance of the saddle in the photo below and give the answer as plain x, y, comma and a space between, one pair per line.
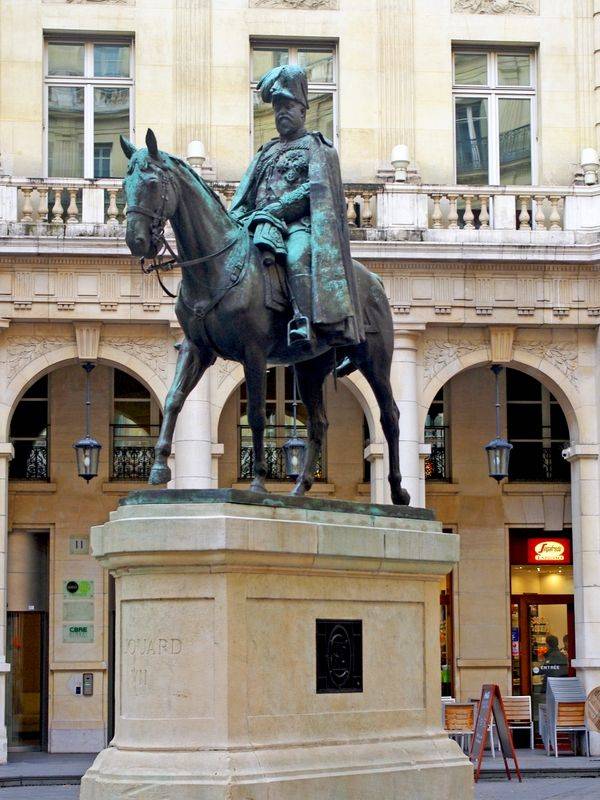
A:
276, 293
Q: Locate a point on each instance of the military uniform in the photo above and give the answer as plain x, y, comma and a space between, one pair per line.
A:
292, 198
282, 179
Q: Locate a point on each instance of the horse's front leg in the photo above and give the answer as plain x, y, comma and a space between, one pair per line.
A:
311, 376
256, 385
192, 363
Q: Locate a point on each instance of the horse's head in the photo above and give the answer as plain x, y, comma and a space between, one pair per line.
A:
150, 195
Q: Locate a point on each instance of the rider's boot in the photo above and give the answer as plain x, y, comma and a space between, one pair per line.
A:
299, 328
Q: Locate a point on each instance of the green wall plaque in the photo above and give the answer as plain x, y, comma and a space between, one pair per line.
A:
78, 632
78, 610
78, 589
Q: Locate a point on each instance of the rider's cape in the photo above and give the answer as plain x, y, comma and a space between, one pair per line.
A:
334, 294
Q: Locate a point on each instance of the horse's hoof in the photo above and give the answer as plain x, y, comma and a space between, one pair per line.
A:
159, 473
258, 488
298, 490
401, 498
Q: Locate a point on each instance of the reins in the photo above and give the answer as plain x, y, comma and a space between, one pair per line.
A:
162, 246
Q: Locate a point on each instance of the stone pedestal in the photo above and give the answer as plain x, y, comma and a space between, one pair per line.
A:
275, 648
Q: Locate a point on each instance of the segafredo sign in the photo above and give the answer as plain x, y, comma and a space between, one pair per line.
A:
548, 551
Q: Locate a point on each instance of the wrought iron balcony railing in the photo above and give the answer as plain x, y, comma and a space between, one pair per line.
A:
275, 437
437, 463
531, 461
30, 462
132, 452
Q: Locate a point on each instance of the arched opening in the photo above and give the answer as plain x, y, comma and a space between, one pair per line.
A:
505, 599
50, 513
341, 471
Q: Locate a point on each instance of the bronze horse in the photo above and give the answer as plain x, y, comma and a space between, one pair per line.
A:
222, 310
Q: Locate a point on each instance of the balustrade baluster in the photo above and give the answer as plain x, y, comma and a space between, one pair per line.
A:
524, 218
124, 214
27, 210
436, 216
57, 208
453, 211
350, 211
366, 216
229, 193
540, 215
555, 213
468, 216
43, 204
112, 211
72, 210
484, 216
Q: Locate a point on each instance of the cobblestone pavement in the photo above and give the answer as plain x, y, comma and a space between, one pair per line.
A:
535, 789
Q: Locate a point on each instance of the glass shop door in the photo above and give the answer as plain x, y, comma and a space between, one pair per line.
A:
543, 630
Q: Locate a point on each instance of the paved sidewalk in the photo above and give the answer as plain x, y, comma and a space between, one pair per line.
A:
40, 793
534, 789
34, 767
535, 763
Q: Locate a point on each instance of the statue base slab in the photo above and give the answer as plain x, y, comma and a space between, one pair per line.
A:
267, 649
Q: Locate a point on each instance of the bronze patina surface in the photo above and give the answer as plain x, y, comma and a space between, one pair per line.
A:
241, 497
290, 210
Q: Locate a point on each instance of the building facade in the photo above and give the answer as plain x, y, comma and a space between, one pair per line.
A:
485, 231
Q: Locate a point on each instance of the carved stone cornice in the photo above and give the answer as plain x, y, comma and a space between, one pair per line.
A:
310, 4
495, 6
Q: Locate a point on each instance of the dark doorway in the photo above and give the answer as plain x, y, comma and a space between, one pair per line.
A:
27, 641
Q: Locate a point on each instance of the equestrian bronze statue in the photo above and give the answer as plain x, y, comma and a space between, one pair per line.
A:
270, 282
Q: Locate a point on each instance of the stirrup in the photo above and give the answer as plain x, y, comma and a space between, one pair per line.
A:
298, 330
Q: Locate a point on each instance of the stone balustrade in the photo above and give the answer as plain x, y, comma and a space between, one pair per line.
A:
76, 206
80, 207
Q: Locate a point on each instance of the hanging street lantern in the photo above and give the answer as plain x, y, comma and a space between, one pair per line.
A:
498, 450
294, 450
87, 449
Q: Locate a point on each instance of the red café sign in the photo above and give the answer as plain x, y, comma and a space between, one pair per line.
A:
549, 551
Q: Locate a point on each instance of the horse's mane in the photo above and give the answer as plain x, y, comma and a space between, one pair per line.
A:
191, 177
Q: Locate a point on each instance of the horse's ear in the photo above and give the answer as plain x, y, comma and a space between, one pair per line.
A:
127, 147
151, 143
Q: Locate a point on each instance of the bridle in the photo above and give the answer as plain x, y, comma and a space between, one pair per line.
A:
159, 242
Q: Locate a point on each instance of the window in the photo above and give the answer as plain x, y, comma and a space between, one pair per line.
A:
279, 427
494, 109
537, 429
437, 463
135, 427
320, 65
29, 435
88, 88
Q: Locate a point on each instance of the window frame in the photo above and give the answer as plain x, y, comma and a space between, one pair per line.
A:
293, 46
494, 92
545, 403
12, 439
88, 82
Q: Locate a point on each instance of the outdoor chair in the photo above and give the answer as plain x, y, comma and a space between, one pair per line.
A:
565, 712
446, 699
518, 714
459, 721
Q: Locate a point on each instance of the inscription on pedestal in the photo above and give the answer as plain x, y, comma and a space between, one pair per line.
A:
167, 659
339, 656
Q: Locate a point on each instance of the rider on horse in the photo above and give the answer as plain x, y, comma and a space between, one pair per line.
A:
293, 201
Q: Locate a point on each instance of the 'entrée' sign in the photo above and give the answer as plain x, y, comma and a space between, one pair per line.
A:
548, 551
